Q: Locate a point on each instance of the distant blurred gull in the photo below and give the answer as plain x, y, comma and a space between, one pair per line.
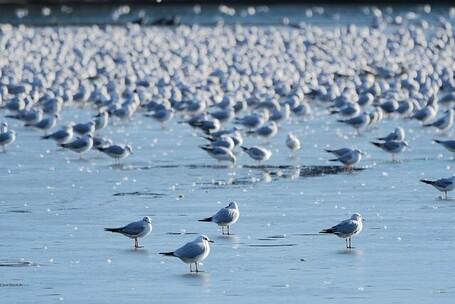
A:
80, 145
220, 153
292, 142
259, 154
350, 158
7, 137
116, 151
61, 136
397, 135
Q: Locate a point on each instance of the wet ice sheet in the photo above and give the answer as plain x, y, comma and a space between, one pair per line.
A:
54, 209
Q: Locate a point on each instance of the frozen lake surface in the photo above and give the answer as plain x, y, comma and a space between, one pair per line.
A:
54, 207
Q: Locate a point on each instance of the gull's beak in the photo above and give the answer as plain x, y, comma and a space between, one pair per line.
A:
210, 241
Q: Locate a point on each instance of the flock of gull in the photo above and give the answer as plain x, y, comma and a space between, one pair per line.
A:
231, 84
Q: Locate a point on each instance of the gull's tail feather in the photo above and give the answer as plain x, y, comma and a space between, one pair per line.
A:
333, 159
12, 116
427, 125
341, 120
113, 229
376, 144
427, 181
167, 253
244, 148
330, 230
334, 112
329, 151
206, 148
209, 219
437, 141
46, 137
209, 138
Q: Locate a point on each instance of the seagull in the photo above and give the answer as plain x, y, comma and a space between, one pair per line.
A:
192, 252
266, 132
84, 128
392, 147
426, 113
101, 120
135, 230
350, 158
224, 115
7, 137
61, 136
257, 153
448, 144
45, 123
220, 153
339, 152
28, 116
101, 142
116, 151
293, 142
444, 185
254, 120
444, 123
347, 229
80, 145
222, 141
161, 115
208, 126
397, 135
225, 217
358, 122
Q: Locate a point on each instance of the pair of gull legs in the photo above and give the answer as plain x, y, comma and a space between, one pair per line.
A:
349, 243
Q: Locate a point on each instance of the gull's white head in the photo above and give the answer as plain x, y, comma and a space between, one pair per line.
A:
232, 205
203, 238
129, 148
357, 217
359, 152
147, 219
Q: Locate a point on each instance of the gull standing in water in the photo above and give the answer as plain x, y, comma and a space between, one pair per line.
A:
347, 229
192, 252
135, 230
443, 184
225, 217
